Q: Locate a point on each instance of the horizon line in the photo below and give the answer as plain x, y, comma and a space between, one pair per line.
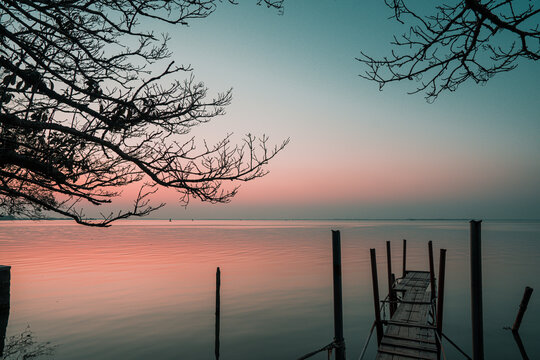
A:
10, 218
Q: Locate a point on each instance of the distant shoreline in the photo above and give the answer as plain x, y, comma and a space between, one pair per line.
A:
11, 218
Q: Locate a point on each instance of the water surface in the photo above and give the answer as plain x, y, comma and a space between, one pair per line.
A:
146, 289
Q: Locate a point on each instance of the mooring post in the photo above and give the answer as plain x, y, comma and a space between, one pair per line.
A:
522, 308
218, 311
390, 282
375, 281
5, 283
476, 291
431, 269
338, 303
440, 298
404, 257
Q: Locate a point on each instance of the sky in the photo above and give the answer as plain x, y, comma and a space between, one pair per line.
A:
357, 152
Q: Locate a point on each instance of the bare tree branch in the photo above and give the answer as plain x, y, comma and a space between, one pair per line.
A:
463, 40
82, 116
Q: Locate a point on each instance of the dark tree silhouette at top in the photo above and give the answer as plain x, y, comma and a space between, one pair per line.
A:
459, 40
82, 115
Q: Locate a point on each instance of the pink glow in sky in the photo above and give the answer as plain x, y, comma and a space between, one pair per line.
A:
356, 151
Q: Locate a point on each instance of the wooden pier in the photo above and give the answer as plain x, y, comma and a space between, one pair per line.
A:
414, 327
408, 333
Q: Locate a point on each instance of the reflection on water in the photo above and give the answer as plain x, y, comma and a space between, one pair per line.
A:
146, 289
22, 346
520, 345
25, 346
4, 317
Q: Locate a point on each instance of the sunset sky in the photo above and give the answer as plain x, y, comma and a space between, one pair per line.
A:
355, 151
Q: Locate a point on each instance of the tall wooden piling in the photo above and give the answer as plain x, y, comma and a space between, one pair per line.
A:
218, 312
5, 284
404, 258
391, 293
522, 308
376, 302
476, 291
440, 297
431, 270
338, 302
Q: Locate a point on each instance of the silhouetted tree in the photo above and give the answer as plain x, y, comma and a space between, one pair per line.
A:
450, 43
83, 115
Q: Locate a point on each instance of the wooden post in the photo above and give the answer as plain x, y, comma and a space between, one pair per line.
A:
5, 284
440, 298
431, 270
375, 281
390, 282
338, 303
522, 308
218, 311
476, 291
404, 257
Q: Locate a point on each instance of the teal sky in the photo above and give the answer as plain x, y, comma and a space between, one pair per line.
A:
355, 151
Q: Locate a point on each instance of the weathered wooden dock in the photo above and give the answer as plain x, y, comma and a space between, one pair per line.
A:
409, 333
414, 327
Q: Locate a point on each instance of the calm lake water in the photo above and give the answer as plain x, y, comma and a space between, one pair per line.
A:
146, 289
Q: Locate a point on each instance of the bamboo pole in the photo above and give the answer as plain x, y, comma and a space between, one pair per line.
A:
476, 291
404, 257
338, 303
376, 302
218, 312
440, 298
391, 296
431, 270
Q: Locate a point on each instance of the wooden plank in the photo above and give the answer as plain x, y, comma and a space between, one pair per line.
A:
411, 325
409, 344
417, 339
400, 353
408, 333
